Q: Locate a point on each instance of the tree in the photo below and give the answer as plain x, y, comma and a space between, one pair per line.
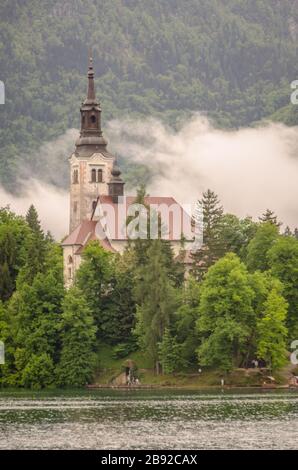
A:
283, 261
36, 247
95, 278
33, 315
123, 313
259, 246
287, 232
169, 352
38, 372
212, 248
6, 282
270, 217
14, 234
271, 330
33, 221
225, 314
78, 336
4, 335
185, 318
156, 301
235, 234
140, 245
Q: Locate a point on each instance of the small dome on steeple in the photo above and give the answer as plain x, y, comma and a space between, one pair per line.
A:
116, 172
116, 184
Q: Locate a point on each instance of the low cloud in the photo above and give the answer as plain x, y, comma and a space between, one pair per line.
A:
250, 169
51, 203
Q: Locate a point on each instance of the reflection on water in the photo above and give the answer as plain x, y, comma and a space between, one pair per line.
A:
149, 419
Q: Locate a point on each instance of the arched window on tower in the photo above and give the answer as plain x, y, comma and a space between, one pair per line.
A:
70, 260
94, 203
93, 175
93, 119
75, 176
99, 176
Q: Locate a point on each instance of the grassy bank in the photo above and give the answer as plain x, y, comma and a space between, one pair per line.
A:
110, 368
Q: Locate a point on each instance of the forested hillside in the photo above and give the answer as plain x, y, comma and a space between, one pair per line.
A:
231, 59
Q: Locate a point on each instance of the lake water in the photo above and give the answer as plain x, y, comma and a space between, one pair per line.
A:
149, 419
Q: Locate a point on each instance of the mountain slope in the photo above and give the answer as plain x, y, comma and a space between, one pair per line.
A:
231, 59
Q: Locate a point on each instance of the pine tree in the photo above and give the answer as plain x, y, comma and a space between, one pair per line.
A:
212, 248
36, 247
156, 301
186, 316
33, 221
270, 217
140, 245
6, 283
169, 352
78, 336
287, 232
14, 235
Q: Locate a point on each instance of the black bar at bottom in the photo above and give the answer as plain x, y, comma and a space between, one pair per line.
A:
137, 458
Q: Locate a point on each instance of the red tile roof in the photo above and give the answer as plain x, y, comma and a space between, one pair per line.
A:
86, 231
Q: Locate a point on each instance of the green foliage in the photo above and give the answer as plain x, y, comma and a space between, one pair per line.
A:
231, 317
185, 319
94, 279
156, 300
78, 335
225, 313
169, 351
123, 349
14, 236
259, 246
213, 247
271, 330
235, 234
283, 261
107, 283
38, 372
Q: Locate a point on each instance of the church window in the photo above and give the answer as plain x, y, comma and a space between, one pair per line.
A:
70, 261
93, 175
75, 176
93, 119
99, 176
94, 205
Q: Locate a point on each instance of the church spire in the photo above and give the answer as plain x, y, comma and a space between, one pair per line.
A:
91, 139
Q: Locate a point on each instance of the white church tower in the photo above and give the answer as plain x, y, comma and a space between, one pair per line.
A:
91, 164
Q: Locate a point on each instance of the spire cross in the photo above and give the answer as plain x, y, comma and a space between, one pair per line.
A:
91, 88
90, 58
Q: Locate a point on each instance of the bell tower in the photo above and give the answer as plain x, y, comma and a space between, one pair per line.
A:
91, 163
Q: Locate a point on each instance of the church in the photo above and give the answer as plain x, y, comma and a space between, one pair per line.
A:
98, 205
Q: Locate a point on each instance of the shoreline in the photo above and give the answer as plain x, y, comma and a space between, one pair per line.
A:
187, 387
